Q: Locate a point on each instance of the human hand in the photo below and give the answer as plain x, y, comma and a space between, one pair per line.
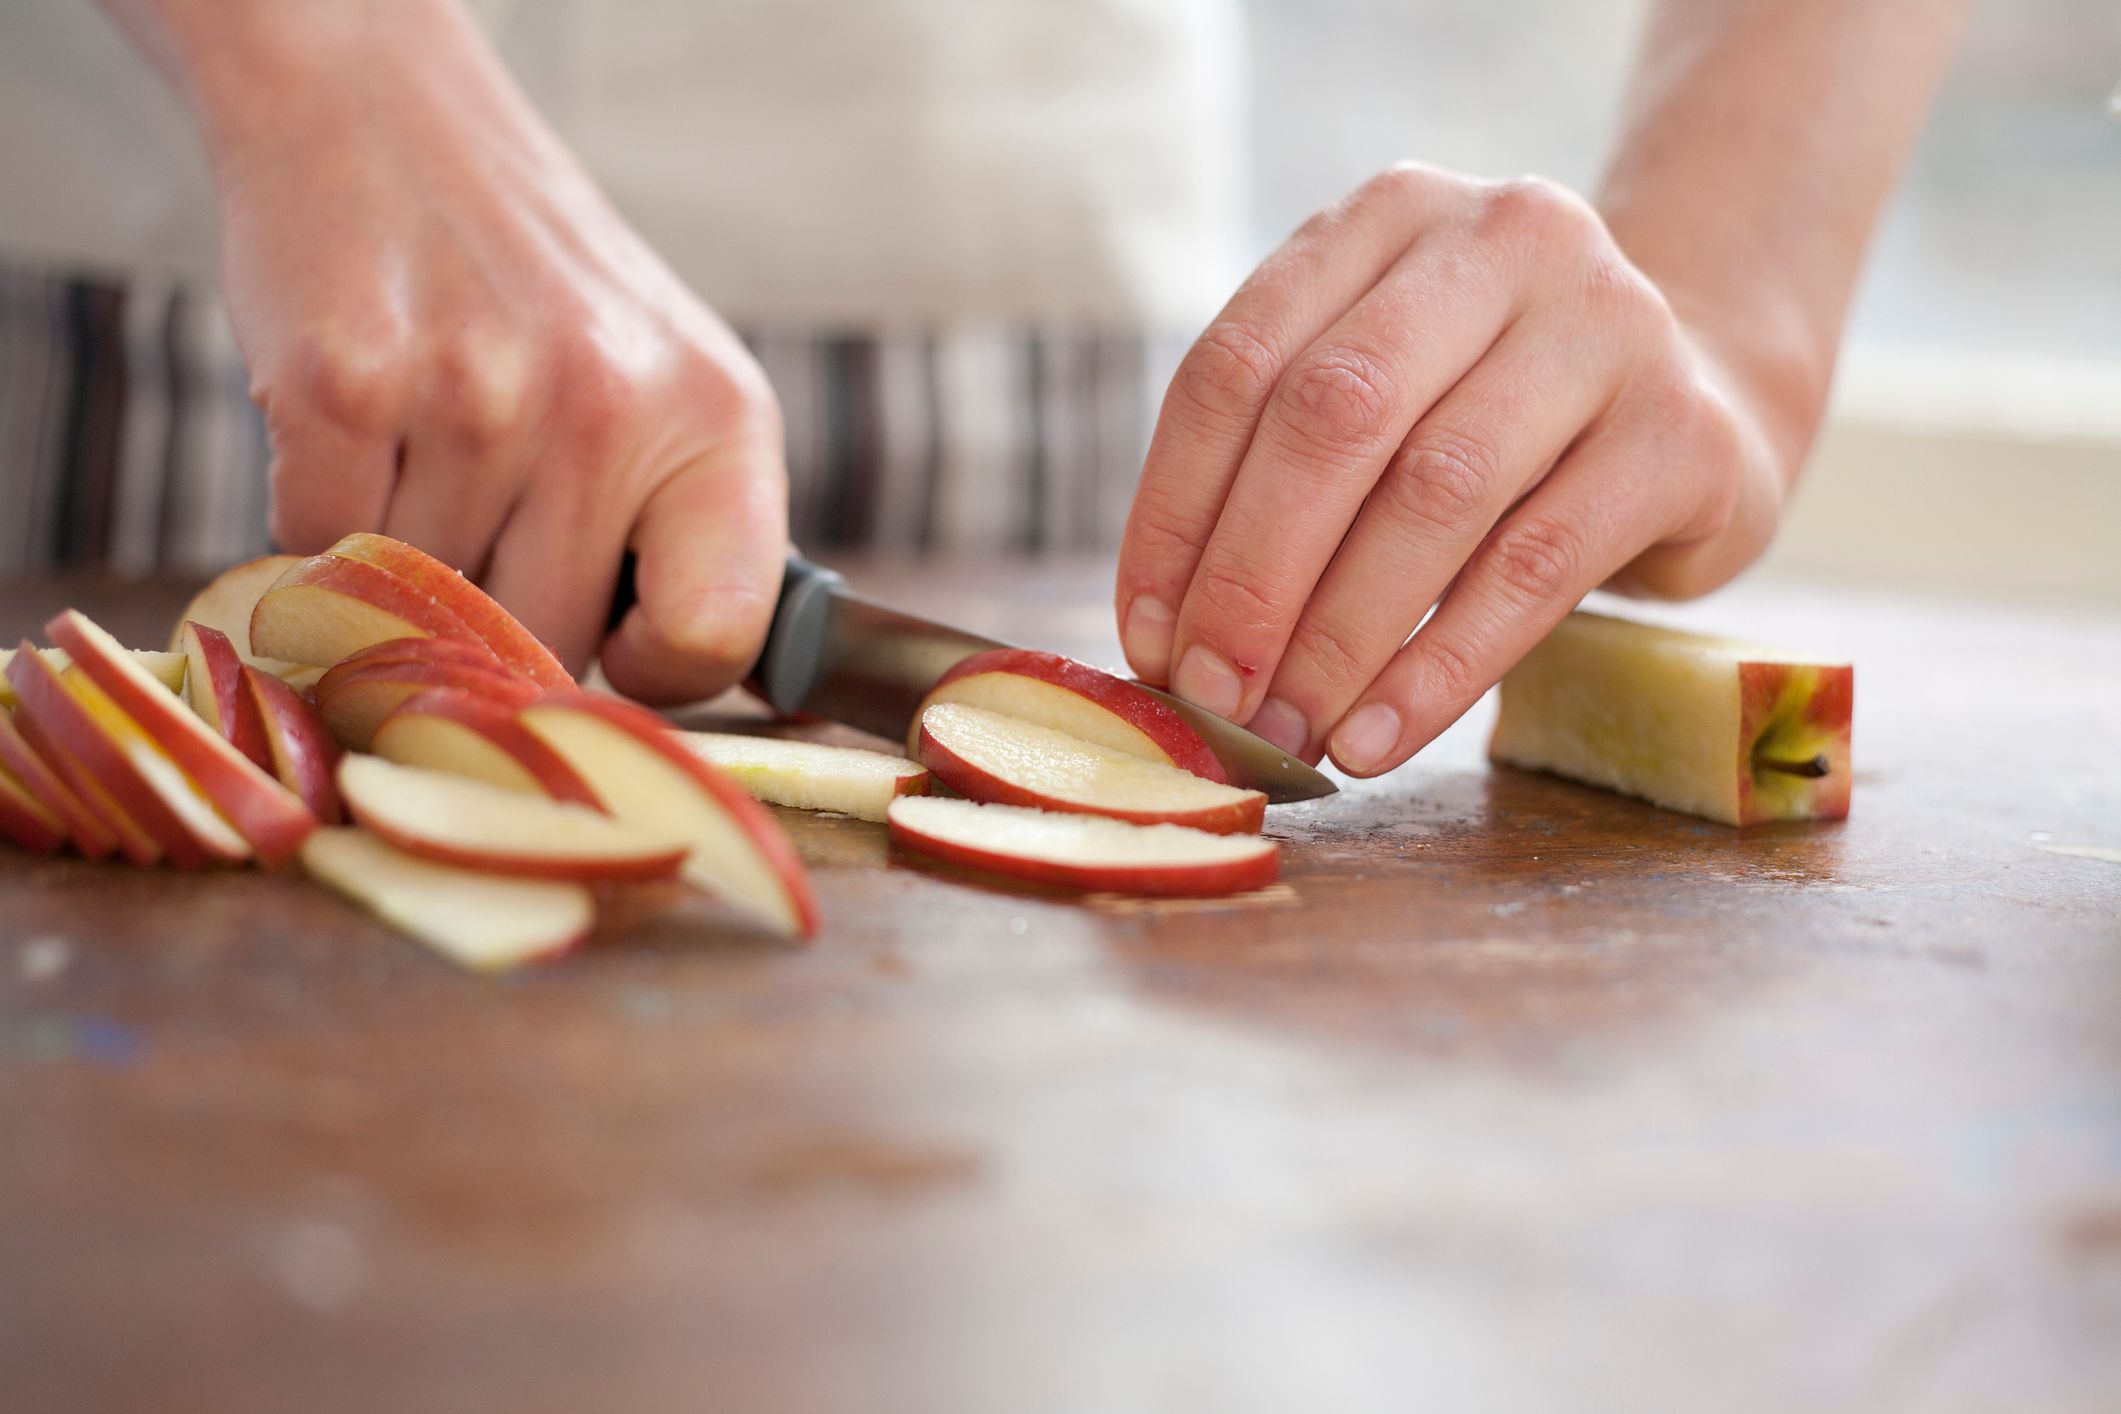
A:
1439, 392
456, 341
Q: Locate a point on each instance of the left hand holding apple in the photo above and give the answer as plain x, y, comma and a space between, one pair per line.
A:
1445, 392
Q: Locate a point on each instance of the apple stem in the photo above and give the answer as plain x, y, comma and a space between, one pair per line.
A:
1811, 769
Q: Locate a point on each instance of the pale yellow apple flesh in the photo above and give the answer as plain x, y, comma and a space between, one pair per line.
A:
806, 775
1083, 851
208, 835
1712, 727
481, 921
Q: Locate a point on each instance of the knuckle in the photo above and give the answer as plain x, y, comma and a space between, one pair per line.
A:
1236, 596
1229, 371
1539, 211
1453, 675
351, 384
1156, 531
1537, 559
1340, 396
1335, 654
1441, 479
479, 382
1618, 293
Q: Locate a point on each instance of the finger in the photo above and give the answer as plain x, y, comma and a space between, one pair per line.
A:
711, 543
1223, 384
334, 414
465, 458
1598, 509
1335, 419
328, 482
1486, 443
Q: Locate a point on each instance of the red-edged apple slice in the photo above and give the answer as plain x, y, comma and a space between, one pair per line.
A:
213, 682
1083, 851
448, 729
494, 626
304, 757
328, 607
84, 827
226, 601
266, 812
165, 668
355, 699
1087, 703
25, 820
641, 772
103, 827
456, 820
481, 921
191, 832
983, 755
427, 650
808, 776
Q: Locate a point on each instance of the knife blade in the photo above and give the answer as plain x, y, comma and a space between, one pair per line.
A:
837, 655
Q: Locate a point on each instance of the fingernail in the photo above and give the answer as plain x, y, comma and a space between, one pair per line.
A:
1206, 679
1146, 636
1281, 724
1366, 737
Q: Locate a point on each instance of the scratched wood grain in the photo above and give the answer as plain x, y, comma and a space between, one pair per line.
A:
1514, 1095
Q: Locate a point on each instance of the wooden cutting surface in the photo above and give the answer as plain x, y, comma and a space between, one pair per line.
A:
1516, 1095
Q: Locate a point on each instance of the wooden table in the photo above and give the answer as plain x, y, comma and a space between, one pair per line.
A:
1518, 1095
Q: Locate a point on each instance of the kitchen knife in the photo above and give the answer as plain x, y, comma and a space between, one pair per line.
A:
834, 654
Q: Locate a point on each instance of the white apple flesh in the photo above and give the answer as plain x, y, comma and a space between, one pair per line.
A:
1083, 851
165, 668
805, 775
449, 729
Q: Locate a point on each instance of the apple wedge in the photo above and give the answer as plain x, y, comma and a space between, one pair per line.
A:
1709, 726
986, 756
1083, 851
355, 698
516, 646
304, 757
228, 598
84, 827
641, 773
263, 810
26, 821
455, 820
1085, 702
213, 683
165, 668
808, 776
448, 729
480, 921
326, 608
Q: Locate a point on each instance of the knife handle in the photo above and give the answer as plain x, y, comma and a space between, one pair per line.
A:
788, 662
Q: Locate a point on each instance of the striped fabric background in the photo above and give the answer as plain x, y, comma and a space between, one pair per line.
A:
128, 444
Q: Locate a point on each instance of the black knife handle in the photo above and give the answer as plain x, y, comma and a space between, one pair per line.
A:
788, 663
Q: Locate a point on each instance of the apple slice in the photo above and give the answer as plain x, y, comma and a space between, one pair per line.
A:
427, 650
213, 682
456, 820
25, 820
983, 755
493, 625
355, 698
1085, 702
327, 607
84, 827
808, 776
1704, 725
448, 729
165, 668
480, 921
112, 829
228, 598
304, 757
640, 771
1083, 851
267, 814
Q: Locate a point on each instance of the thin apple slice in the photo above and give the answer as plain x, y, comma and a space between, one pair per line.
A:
1083, 851
1085, 702
480, 921
201, 836
165, 668
805, 775
26, 821
111, 829
448, 729
499, 630
213, 683
355, 699
304, 757
327, 607
228, 598
640, 771
456, 820
427, 650
264, 811
83, 826
985, 756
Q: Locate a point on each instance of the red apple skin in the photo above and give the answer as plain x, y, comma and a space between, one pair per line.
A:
515, 645
1183, 881
356, 702
62, 728
25, 821
1181, 745
304, 757
1826, 709
281, 628
213, 681
754, 819
263, 811
428, 650
84, 827
498, 724
1240, 817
